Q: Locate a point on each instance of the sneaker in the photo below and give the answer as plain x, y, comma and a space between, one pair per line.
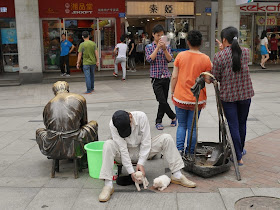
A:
87, 92
183, 181
115, 75
129, 70
63, 74
67, 75
106, 193
134, 70
123, 80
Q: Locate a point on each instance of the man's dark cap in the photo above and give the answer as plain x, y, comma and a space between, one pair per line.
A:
121, 121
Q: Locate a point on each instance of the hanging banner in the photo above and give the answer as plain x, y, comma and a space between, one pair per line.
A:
239, 2
270, 20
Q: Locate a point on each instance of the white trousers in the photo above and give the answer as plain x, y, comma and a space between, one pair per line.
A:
123, 64
162, 143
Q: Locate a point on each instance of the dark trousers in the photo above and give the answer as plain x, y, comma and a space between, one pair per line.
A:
237, 114
273, 55
64, 60
161, 88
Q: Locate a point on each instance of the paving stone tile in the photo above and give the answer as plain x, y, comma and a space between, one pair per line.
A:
16, 198
88, 199
141, 200
198, 201
231, 195
272, 192
54, 198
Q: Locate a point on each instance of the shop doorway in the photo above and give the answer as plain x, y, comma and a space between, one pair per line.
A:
140, 29
103, 34
73, 29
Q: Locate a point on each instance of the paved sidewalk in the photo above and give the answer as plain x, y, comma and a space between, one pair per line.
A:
25, 181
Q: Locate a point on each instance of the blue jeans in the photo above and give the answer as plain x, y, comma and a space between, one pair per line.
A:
89, 76
185, 118
237, 114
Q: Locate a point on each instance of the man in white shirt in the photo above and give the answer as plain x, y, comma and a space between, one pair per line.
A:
121, 48
131, 142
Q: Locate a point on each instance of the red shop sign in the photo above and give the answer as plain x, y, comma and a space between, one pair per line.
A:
7, 9
261, 7
80, 8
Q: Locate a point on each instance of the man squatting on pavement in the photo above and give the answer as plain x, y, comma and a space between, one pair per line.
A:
131, 142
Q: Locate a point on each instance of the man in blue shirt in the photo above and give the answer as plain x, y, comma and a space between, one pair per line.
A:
66, 48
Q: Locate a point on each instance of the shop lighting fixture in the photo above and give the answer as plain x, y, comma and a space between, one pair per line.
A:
153, 18
148, 20
133, 26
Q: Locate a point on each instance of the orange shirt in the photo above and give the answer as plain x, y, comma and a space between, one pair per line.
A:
190, 66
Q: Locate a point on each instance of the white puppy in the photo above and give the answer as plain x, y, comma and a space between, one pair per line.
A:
140, 179
161, 182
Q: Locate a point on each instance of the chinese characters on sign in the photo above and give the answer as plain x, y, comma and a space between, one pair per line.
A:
79, 8
159, 8
168, 8
108, 10
3, 9
153, 8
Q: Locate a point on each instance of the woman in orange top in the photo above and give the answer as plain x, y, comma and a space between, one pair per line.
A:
188, 66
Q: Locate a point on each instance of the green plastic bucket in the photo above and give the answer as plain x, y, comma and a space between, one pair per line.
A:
94, 157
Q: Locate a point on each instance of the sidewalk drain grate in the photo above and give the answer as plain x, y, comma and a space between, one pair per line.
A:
252, 119
258, 202
35, 121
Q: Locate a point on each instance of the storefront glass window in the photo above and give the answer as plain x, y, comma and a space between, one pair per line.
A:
51, 43
9, 50
107, 28
177, 31
246, 35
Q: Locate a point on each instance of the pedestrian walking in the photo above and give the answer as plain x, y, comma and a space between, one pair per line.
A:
89, 51
230, 67
273, 46
188, 66
66, 48
131, 54
121, 49
264, 49
158, 54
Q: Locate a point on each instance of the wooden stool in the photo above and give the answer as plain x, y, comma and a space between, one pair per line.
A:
77, 163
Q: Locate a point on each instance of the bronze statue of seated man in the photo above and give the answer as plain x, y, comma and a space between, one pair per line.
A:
67, 128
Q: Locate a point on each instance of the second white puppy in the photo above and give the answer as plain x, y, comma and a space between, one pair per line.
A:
161, 182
